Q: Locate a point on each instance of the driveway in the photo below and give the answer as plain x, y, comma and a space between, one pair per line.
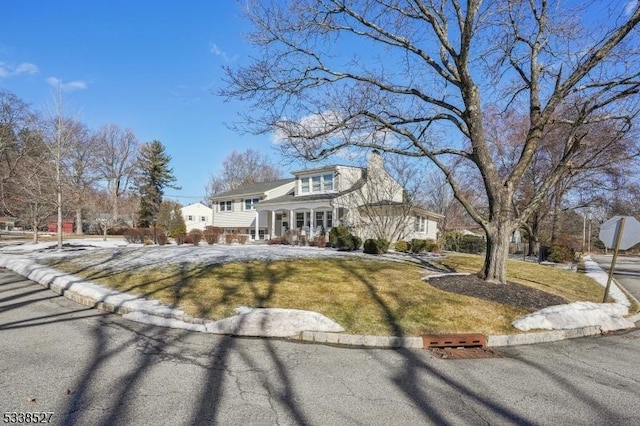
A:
626, 272
89, 367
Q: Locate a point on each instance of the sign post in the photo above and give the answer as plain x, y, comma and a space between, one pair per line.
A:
619, 233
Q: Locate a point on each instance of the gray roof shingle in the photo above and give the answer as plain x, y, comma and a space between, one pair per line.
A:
254, 188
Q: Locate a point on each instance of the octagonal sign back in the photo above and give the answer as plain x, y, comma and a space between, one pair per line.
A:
630, 233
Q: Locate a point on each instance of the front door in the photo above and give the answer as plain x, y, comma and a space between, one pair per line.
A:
278, 223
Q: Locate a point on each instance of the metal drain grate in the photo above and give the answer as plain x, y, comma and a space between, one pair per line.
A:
454, 341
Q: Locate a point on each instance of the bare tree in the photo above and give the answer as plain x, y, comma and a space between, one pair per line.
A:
18, 129
117, 152
242, 168
81, 166
423, 74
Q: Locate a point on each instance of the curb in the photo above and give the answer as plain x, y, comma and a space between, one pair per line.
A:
48, 277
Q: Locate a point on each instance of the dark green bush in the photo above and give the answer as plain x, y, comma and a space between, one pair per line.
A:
472, 244
418, 245
452, 240
342, 239
561, 254
375, 246
402, 246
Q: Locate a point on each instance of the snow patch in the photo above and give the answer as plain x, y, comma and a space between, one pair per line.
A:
608, 316
272, 322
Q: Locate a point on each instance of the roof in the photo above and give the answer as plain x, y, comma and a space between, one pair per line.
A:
323, 168
253, 188
290, 198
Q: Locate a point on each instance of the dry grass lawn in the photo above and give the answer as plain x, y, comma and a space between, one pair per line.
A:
365, 296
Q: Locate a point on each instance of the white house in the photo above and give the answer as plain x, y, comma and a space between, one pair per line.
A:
367, 200
197, 216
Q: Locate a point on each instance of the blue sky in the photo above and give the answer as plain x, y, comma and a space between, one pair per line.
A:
151, 68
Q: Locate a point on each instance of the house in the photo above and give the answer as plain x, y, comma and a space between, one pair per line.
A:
197, 216
366, 200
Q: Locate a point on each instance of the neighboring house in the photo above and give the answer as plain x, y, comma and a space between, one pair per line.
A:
197, 216
366, 200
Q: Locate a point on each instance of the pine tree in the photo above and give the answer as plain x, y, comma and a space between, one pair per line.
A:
170, 219
154, 175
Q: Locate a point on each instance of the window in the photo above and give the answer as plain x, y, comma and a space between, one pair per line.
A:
261, 234
203, 218
327, 182
315, 180
304, 185
190, 218
420, 224
329, 220
225, 206
249, 203
299, 220
319, 219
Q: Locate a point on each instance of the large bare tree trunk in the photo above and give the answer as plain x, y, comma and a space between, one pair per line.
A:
79, 221
495, 262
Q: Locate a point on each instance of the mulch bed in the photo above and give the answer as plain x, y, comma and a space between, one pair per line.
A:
510, 294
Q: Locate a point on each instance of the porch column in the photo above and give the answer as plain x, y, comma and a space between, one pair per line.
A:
292, 219
334, 218
273, 224
311, 223
257, 219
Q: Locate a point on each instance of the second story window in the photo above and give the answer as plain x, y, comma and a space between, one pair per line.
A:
304, 185
316, 184
327, 182
224, 206
250, 203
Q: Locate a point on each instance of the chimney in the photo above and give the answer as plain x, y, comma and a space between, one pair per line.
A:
375, 161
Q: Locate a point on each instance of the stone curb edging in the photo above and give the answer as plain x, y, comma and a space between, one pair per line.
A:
339, 339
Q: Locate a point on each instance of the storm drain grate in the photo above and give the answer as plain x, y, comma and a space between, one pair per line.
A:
454, 341
464, 353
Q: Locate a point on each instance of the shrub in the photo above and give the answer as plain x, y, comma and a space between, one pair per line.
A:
212, 234
162, 238
228, 238
561, 254
131, 235
137, 235
275, 240
452, 240
321, 241
431, 246
418, 245
195, 236
401, 246
242, 238
290, 237
342, 239
375, 246
180, 238
472, 244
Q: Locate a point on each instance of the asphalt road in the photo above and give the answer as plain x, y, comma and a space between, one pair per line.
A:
92, 368
626, 271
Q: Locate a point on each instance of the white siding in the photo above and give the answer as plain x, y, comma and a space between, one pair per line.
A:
280, 191
194, 214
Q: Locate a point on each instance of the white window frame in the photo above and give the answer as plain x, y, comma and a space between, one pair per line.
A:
251, 203
190, 218
225, 206
325, 182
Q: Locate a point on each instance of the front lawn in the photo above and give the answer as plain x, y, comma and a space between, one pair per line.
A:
365, 296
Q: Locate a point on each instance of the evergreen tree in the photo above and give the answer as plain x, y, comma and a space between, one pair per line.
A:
170, 219
154, 175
